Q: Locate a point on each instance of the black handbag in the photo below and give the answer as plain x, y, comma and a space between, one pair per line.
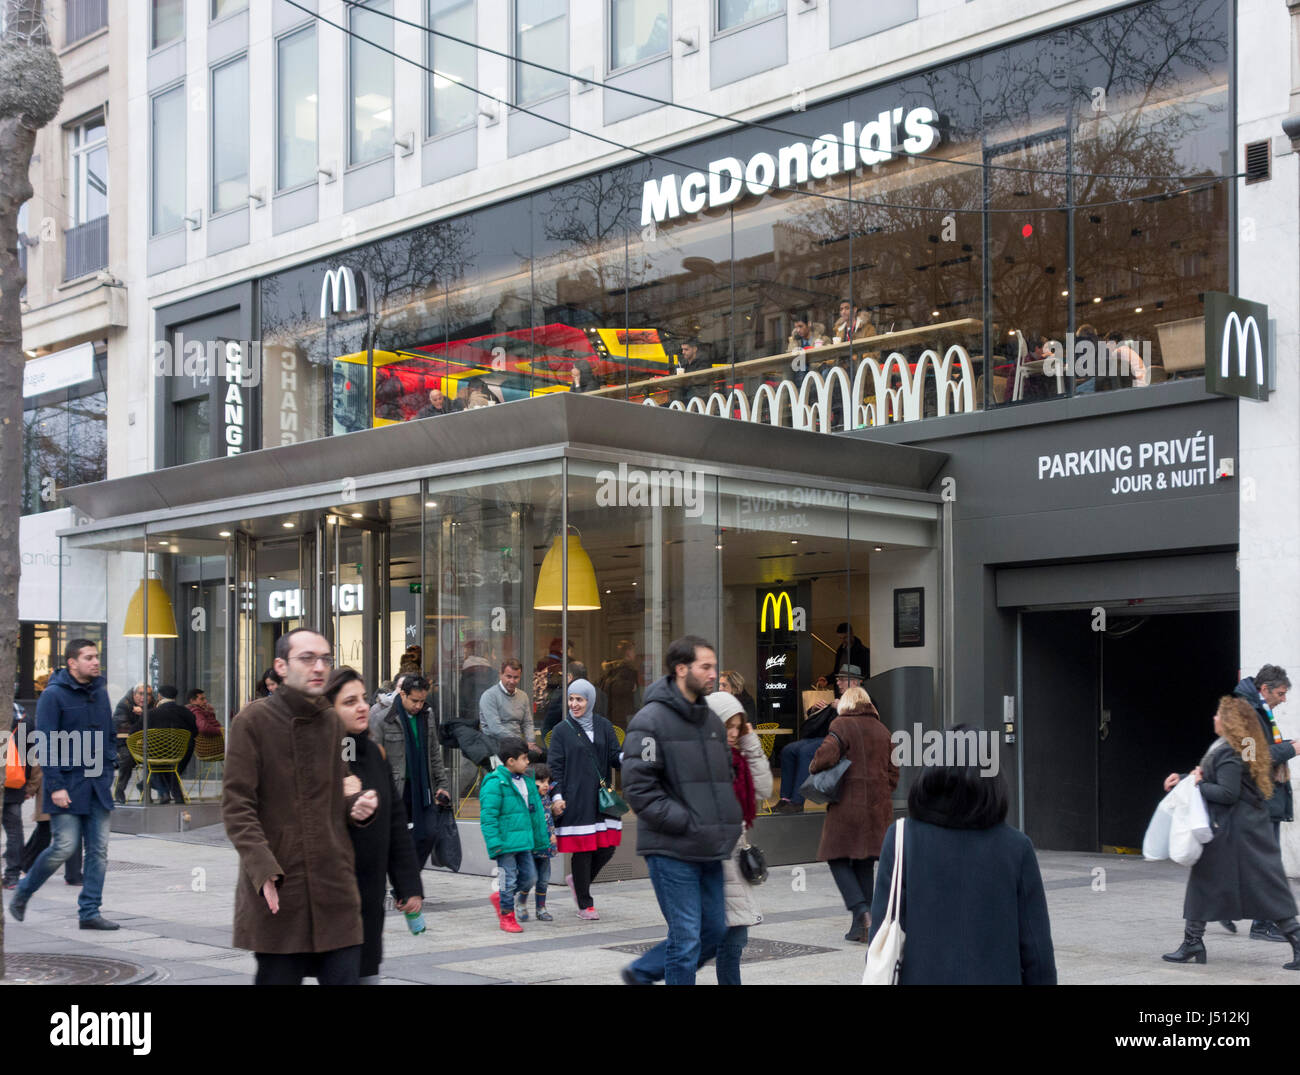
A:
753, 863
824, 787
446, 851
608, 801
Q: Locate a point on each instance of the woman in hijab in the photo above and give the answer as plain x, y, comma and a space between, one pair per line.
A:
583, 752
383, 848
1239, 873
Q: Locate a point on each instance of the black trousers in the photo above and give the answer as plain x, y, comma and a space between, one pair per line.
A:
853, 877
125, 767
13, 828
38, 842
340, 966
585, 866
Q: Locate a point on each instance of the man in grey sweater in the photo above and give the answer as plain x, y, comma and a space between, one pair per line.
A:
505, 710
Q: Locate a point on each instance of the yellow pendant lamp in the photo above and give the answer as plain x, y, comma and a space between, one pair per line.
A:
583, 595
162, 621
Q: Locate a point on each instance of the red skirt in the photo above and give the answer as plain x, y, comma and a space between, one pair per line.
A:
606, 832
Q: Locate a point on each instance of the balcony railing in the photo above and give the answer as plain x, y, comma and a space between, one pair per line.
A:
83, 18
85, 248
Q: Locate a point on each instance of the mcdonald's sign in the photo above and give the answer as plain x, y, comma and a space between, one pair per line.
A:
1237, 358
338, 292
774, 600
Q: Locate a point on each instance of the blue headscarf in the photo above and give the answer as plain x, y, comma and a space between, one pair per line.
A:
584, 688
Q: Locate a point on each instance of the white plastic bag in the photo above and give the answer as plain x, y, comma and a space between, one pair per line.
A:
1155, 844
1190, 829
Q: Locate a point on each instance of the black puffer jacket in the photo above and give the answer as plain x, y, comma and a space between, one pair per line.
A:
677, 777
1280, 807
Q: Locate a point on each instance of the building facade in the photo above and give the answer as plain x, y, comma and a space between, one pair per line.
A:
343, 222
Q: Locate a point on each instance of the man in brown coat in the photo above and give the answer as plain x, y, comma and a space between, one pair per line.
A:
297, 905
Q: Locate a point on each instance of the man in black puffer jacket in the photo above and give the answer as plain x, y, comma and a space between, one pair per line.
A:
677, 777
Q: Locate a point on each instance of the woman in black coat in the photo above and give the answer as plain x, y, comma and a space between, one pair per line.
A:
1239, 873
973, 907
584, 750
383, 848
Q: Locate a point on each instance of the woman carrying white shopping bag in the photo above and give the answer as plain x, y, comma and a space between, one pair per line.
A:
970, 898
1239, 873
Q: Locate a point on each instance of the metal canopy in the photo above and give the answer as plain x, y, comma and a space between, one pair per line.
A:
381, 461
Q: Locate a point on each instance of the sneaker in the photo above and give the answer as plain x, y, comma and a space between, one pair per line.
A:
521, 910
631, 977
18, 909
509, 924
589, 915
543, 915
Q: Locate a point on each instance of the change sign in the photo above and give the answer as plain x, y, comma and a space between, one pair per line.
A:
1237, 358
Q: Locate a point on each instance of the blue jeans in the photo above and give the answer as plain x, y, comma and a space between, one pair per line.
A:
542, 866
794, 767
690, 897
516, 874
65, 830
728, 962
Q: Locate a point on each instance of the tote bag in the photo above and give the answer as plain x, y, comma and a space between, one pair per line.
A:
1190, 830
885, 954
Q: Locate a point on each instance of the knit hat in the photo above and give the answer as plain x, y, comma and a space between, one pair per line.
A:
725, 705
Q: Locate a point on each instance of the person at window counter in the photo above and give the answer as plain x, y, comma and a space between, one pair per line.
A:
438, 404
583, 376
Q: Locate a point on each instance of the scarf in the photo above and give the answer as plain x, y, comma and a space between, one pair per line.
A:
418, 794
585, 690
742, 783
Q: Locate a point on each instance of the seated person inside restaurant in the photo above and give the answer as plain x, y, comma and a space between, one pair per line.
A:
693, 358
796, 756
583, 377
801, 337
852, 323
438, 404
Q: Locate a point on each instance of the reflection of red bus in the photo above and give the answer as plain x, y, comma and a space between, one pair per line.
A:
511, 365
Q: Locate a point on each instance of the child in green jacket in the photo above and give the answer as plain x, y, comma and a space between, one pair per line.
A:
513, 820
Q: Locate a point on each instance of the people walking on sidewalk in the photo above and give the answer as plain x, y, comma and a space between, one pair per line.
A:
513, 821
856, 824
406, 729
383, 849
584, 752
75, 718
297, 906
1239, 873
677, 777
751, 781
973, 910
1264, 692
541, 859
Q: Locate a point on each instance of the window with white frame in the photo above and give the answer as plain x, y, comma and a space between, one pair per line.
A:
733, 13
88, 170
451, 106
167, 167
541, 36
638, 30
296, 100
370, 70
230, 135
168, 21
221, 8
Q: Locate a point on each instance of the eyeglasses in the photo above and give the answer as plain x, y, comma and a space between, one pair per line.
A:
311, 660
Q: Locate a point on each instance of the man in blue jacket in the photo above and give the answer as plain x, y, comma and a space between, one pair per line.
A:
74, 722
677, 777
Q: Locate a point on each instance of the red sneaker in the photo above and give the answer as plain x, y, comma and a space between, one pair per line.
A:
509, 924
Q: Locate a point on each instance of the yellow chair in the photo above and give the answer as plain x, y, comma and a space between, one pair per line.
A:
469, 794
767, 742
619, 734
163, 749
135, 747
209, 752
546, 739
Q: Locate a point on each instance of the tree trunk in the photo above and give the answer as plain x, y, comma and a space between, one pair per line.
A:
31, 90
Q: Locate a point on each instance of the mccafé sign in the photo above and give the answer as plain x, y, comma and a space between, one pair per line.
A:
911, 131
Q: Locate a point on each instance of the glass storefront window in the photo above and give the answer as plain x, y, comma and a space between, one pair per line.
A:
65, 440
1041, 222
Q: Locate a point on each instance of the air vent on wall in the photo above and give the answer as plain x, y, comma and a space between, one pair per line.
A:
1259, 160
